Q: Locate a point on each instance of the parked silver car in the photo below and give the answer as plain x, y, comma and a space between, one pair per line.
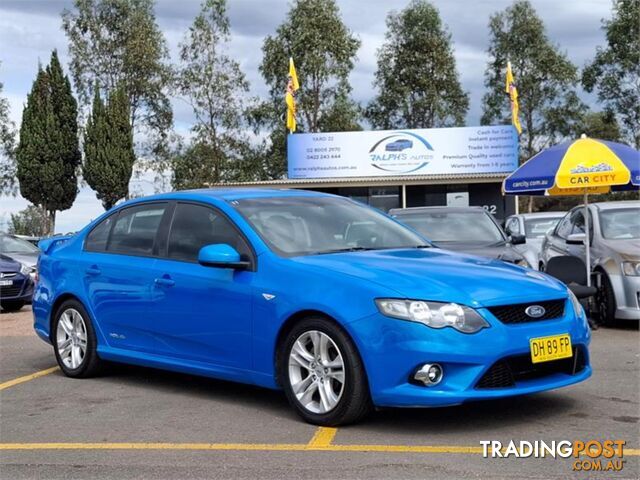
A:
534, 226
20, 250
615, 253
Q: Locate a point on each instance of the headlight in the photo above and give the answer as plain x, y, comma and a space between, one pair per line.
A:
433, 314
521, 262
27, 270
631, 269
575, 303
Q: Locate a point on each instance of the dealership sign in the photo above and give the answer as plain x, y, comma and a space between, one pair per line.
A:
403, 152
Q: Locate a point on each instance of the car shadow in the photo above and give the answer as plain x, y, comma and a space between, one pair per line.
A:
482, 415
476, 416
249, 396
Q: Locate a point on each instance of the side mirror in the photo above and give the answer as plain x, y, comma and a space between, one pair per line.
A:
576, 239
221, 255
518, 239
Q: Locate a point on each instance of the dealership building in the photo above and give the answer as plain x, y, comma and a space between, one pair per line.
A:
406, 168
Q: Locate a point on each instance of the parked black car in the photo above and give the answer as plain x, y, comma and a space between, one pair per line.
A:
466, 229
16, 285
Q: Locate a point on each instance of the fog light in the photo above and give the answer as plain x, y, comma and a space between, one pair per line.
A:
429, 374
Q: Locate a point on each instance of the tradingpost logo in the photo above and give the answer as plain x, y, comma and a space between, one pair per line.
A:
586, 455
401, 152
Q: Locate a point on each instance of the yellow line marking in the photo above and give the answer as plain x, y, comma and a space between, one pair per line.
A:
323, 437
27, 378
265, 447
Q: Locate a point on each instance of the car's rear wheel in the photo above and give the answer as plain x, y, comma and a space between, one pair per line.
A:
323, 376
606, 301
74, 341
11, 305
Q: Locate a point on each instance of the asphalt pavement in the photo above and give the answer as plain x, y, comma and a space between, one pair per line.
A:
136, 423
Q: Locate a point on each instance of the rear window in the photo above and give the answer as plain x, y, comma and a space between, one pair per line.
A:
134, 232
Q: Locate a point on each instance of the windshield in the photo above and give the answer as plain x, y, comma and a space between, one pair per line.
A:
461, 227
538, 227
620, 224
14, 245
294, 226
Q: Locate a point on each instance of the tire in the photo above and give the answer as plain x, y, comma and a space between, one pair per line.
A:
71, 329
314, 400
12, 305
605, 302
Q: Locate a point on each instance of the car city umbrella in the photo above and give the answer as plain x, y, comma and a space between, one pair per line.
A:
578, 167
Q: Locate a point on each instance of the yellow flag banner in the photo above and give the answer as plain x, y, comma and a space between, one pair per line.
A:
512, 91
290, 96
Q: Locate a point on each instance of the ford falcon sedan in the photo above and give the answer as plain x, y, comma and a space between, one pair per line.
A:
333, 302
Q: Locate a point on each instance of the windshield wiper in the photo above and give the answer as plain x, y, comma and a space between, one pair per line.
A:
347, 249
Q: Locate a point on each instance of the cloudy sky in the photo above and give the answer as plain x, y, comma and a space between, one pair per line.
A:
30, 29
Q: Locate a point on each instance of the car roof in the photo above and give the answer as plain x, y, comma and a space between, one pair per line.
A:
618, 204
230, 194
540, 215
396, 211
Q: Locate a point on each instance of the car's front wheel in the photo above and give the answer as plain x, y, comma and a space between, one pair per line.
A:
74, 341
606, 301
323, 376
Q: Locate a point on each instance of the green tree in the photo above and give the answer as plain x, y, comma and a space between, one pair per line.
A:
7, 148
215, 87
324, 51
108, 148
615, 70
117, 43
602, 125
48, 153
31, 221
416, 78
546, 79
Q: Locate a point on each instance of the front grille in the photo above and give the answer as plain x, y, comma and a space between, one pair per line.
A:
511, 314
10, 291
506, 372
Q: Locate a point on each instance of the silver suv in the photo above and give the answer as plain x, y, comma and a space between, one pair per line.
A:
615, 253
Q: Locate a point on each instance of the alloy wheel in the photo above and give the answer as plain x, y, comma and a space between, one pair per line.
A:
316, 371
71, 338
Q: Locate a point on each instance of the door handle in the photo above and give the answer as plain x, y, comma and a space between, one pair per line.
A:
93, 270
164, 281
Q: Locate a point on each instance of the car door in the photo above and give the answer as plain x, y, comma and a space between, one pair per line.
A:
578, 227
556, 244
117, 267
203, 313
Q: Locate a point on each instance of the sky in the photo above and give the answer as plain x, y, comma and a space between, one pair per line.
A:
30, 29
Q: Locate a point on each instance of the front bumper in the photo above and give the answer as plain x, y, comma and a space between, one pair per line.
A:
627, 292
392, 349
20, 291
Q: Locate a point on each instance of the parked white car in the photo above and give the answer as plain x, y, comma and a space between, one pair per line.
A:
614, 232
534, 226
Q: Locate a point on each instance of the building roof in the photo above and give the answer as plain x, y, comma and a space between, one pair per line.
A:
366, 181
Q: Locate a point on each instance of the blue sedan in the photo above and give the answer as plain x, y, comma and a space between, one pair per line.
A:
329, 300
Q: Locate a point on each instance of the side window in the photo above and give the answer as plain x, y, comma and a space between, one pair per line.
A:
96, 241
564, 227
134, 232
195, 226
578, 223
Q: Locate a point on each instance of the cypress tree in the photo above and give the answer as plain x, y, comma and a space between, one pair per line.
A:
48, 153
108, 148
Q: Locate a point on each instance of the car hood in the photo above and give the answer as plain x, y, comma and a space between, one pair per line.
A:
439, 275
29, 259
503, 251
7, 264
628, 249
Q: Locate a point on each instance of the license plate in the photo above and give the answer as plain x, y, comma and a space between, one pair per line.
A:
6, 283
545, 349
